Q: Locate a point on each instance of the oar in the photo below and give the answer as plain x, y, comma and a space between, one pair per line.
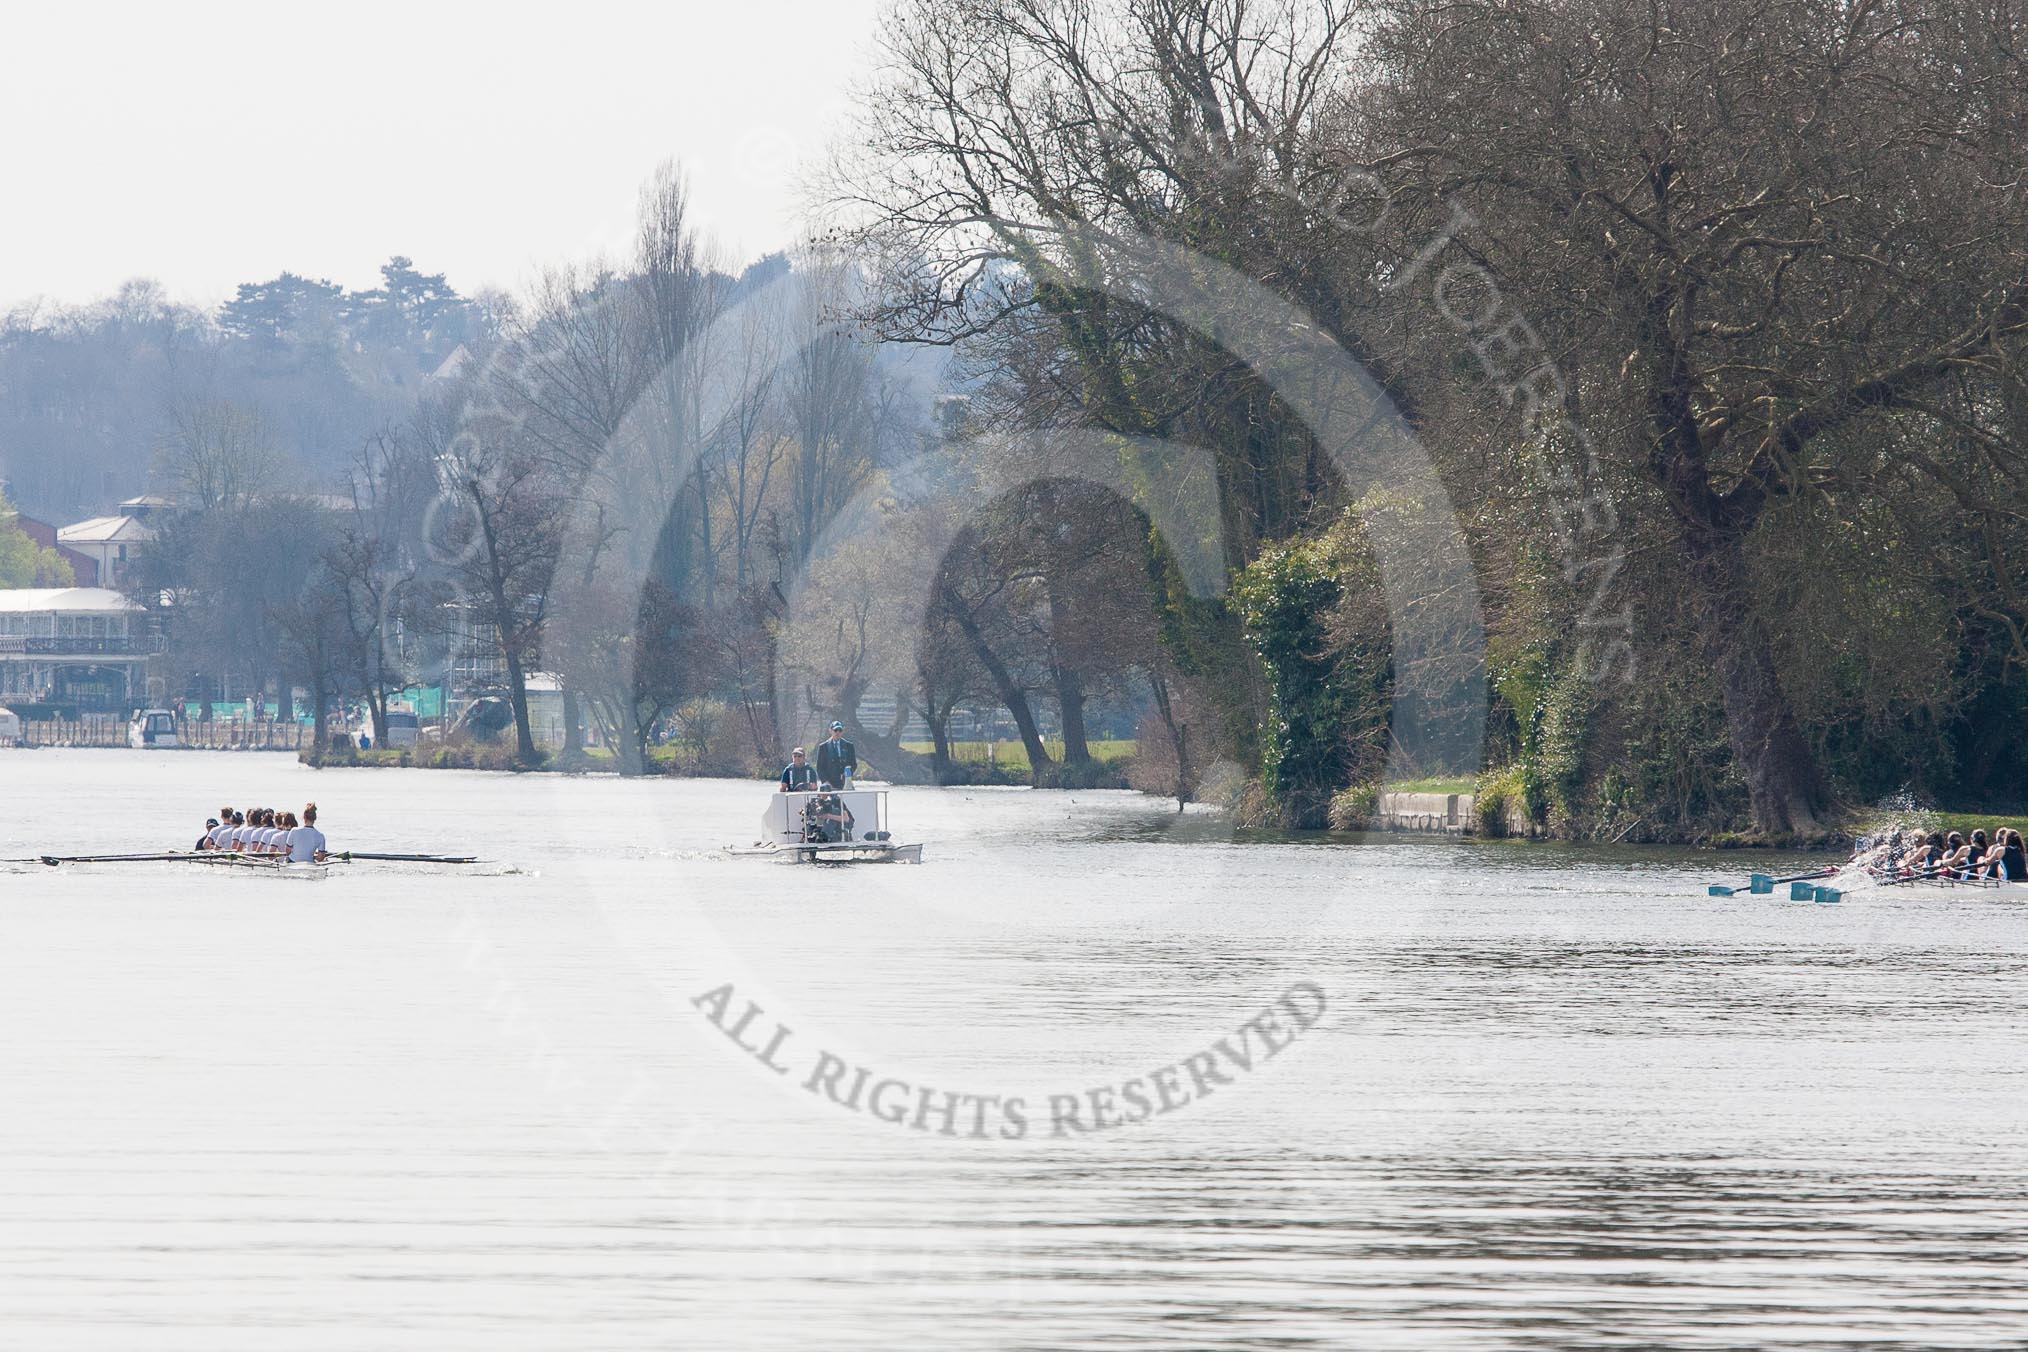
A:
207, 857
1760, 884
410, 858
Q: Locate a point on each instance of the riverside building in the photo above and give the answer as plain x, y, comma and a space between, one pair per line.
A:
82, 647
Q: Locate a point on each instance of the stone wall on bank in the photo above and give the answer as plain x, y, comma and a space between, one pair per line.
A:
1434, 812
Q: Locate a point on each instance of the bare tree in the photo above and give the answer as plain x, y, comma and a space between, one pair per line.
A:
218, 454
380, 582
504, 543
1010, 139
838, 406
751, 439
678, 295
994, 612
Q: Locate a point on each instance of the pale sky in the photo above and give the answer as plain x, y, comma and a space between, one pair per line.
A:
214, 142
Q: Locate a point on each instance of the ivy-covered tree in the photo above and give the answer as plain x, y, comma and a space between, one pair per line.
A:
1327, 669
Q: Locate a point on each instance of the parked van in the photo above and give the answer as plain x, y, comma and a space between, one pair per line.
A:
10, 728
153, 729
403, 728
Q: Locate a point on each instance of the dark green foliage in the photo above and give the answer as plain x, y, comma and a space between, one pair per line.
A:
1327, 698
1989, 738
1562, 729
287, 310
1283, 598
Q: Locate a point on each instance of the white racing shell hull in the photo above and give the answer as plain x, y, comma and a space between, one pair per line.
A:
1856, 882
276, 866
1986, 891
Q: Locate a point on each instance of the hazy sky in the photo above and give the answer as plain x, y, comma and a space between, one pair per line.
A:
205, 144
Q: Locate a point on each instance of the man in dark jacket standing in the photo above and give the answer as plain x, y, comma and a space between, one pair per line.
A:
836, 758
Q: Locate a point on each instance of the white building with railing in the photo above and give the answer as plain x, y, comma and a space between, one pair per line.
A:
85, 647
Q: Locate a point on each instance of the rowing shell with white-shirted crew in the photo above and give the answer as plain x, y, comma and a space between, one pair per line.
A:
264, 831
272, 840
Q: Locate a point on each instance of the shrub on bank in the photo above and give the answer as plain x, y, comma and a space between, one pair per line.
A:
1500, 801
1354, 808
479, 756
458, 754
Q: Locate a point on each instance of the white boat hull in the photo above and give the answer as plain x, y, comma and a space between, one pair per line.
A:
278, 867
847, 852
1936, 887
859, 828
153, 730
1990, 889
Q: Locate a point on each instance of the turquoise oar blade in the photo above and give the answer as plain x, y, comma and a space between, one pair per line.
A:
1828, 894
1801, 892
1760, 884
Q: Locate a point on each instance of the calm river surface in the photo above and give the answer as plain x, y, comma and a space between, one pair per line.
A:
1555, 1098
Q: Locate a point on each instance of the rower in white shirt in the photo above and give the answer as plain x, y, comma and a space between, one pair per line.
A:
306, 842
220, 834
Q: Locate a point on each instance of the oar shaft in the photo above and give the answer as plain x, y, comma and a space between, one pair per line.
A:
409, 858
205, 857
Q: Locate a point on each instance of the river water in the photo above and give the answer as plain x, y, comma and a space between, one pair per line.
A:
1492, 1095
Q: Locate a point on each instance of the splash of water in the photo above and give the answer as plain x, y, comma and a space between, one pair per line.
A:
1897, 812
